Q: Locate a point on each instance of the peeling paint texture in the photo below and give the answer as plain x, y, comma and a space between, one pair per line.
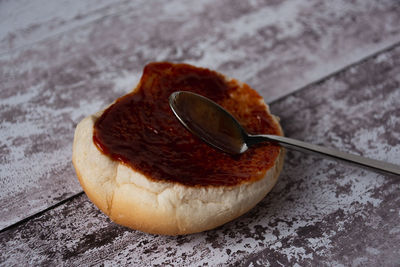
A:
329, 69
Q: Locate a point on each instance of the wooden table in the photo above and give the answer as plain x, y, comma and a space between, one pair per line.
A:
329, 69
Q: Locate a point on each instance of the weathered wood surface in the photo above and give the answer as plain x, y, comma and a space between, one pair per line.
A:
321, 213
62, 61
25, 22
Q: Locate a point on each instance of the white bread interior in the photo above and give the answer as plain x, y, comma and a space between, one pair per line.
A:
158, 207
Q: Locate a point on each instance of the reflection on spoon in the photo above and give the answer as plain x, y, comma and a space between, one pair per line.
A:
218, 128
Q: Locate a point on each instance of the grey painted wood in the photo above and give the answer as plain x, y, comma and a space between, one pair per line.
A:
25, 22
67, 63
320, 213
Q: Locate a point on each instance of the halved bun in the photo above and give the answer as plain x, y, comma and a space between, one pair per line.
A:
131, 199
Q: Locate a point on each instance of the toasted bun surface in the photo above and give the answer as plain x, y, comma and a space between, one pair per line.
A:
131, 199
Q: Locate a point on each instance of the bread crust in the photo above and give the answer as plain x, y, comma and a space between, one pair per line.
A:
160, 207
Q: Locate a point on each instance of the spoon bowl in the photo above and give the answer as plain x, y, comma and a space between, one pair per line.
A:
209, 121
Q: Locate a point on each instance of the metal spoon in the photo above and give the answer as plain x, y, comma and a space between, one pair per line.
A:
218, 128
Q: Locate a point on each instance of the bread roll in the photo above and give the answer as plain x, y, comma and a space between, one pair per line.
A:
132, 196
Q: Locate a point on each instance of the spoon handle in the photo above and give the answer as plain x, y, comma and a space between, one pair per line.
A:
326, 152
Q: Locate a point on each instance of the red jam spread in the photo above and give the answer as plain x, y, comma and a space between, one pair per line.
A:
141, 131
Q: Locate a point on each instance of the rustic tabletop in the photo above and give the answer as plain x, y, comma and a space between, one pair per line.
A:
329, 69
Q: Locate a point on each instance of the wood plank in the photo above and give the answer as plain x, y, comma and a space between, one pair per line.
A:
48, 86
24, 22
320, 213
